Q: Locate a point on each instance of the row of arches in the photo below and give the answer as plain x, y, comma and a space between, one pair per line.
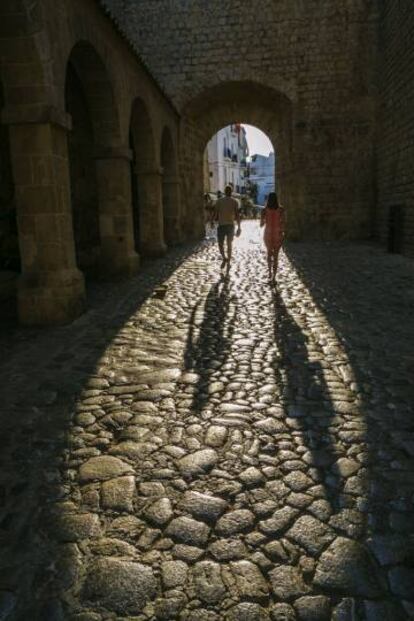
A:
98, 202
92, 148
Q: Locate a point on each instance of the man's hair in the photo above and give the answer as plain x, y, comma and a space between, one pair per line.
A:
228, 190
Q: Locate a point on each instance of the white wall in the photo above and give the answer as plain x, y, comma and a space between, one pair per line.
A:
222, 170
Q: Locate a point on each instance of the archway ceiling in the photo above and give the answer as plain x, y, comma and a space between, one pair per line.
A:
246, 102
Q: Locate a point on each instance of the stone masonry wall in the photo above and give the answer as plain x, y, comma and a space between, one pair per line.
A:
396, 128
318, 53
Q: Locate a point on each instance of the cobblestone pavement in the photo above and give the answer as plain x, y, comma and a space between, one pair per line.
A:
216, 450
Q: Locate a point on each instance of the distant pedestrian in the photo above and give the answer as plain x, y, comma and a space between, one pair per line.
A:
227, 213
273, 219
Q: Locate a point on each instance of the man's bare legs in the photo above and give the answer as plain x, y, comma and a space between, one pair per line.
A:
222, 253
229, 251
229, 246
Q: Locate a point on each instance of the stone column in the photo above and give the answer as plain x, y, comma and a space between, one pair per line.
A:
193, 219
151, 219
113, 171
172, 210
51, 288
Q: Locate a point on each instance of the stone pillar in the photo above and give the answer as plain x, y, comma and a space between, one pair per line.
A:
151, 218
51, 288
172, 210
113, 171
193, 219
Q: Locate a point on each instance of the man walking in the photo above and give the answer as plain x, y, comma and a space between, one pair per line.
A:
227, 213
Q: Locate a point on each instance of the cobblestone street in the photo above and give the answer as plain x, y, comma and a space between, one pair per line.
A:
208, 449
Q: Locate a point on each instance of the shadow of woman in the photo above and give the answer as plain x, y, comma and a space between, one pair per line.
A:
363, 296
209, 343
310, 412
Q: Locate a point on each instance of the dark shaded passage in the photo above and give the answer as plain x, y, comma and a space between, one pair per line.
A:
38, 409
134, 194
83, 180
368, 300
10, 261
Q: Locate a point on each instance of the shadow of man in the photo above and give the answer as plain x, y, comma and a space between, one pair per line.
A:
209, 342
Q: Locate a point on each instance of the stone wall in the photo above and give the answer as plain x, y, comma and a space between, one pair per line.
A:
395, 172
320, 55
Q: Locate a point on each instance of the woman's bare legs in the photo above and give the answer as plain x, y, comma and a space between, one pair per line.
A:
270, 262
275, 262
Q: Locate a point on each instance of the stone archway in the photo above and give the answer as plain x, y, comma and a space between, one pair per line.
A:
246, 102
170, 190
99, 168
146, 184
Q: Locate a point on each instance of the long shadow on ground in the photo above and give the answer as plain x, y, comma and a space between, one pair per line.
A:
306, 397
209, 341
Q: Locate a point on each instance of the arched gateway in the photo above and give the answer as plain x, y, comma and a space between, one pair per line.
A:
221, 105
304, 77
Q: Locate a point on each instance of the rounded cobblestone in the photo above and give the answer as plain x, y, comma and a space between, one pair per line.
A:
232, 450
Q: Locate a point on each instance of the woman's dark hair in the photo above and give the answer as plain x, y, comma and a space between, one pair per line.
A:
272, 201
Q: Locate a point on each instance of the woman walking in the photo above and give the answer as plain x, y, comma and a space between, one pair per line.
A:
273, 219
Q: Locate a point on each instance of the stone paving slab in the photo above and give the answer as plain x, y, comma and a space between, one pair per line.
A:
225, 451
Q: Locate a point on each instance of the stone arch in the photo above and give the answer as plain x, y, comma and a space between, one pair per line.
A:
98, 88
170, 188
223, 104
146, 182
89, 100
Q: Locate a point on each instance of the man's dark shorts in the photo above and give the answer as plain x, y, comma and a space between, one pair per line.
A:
225, 230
